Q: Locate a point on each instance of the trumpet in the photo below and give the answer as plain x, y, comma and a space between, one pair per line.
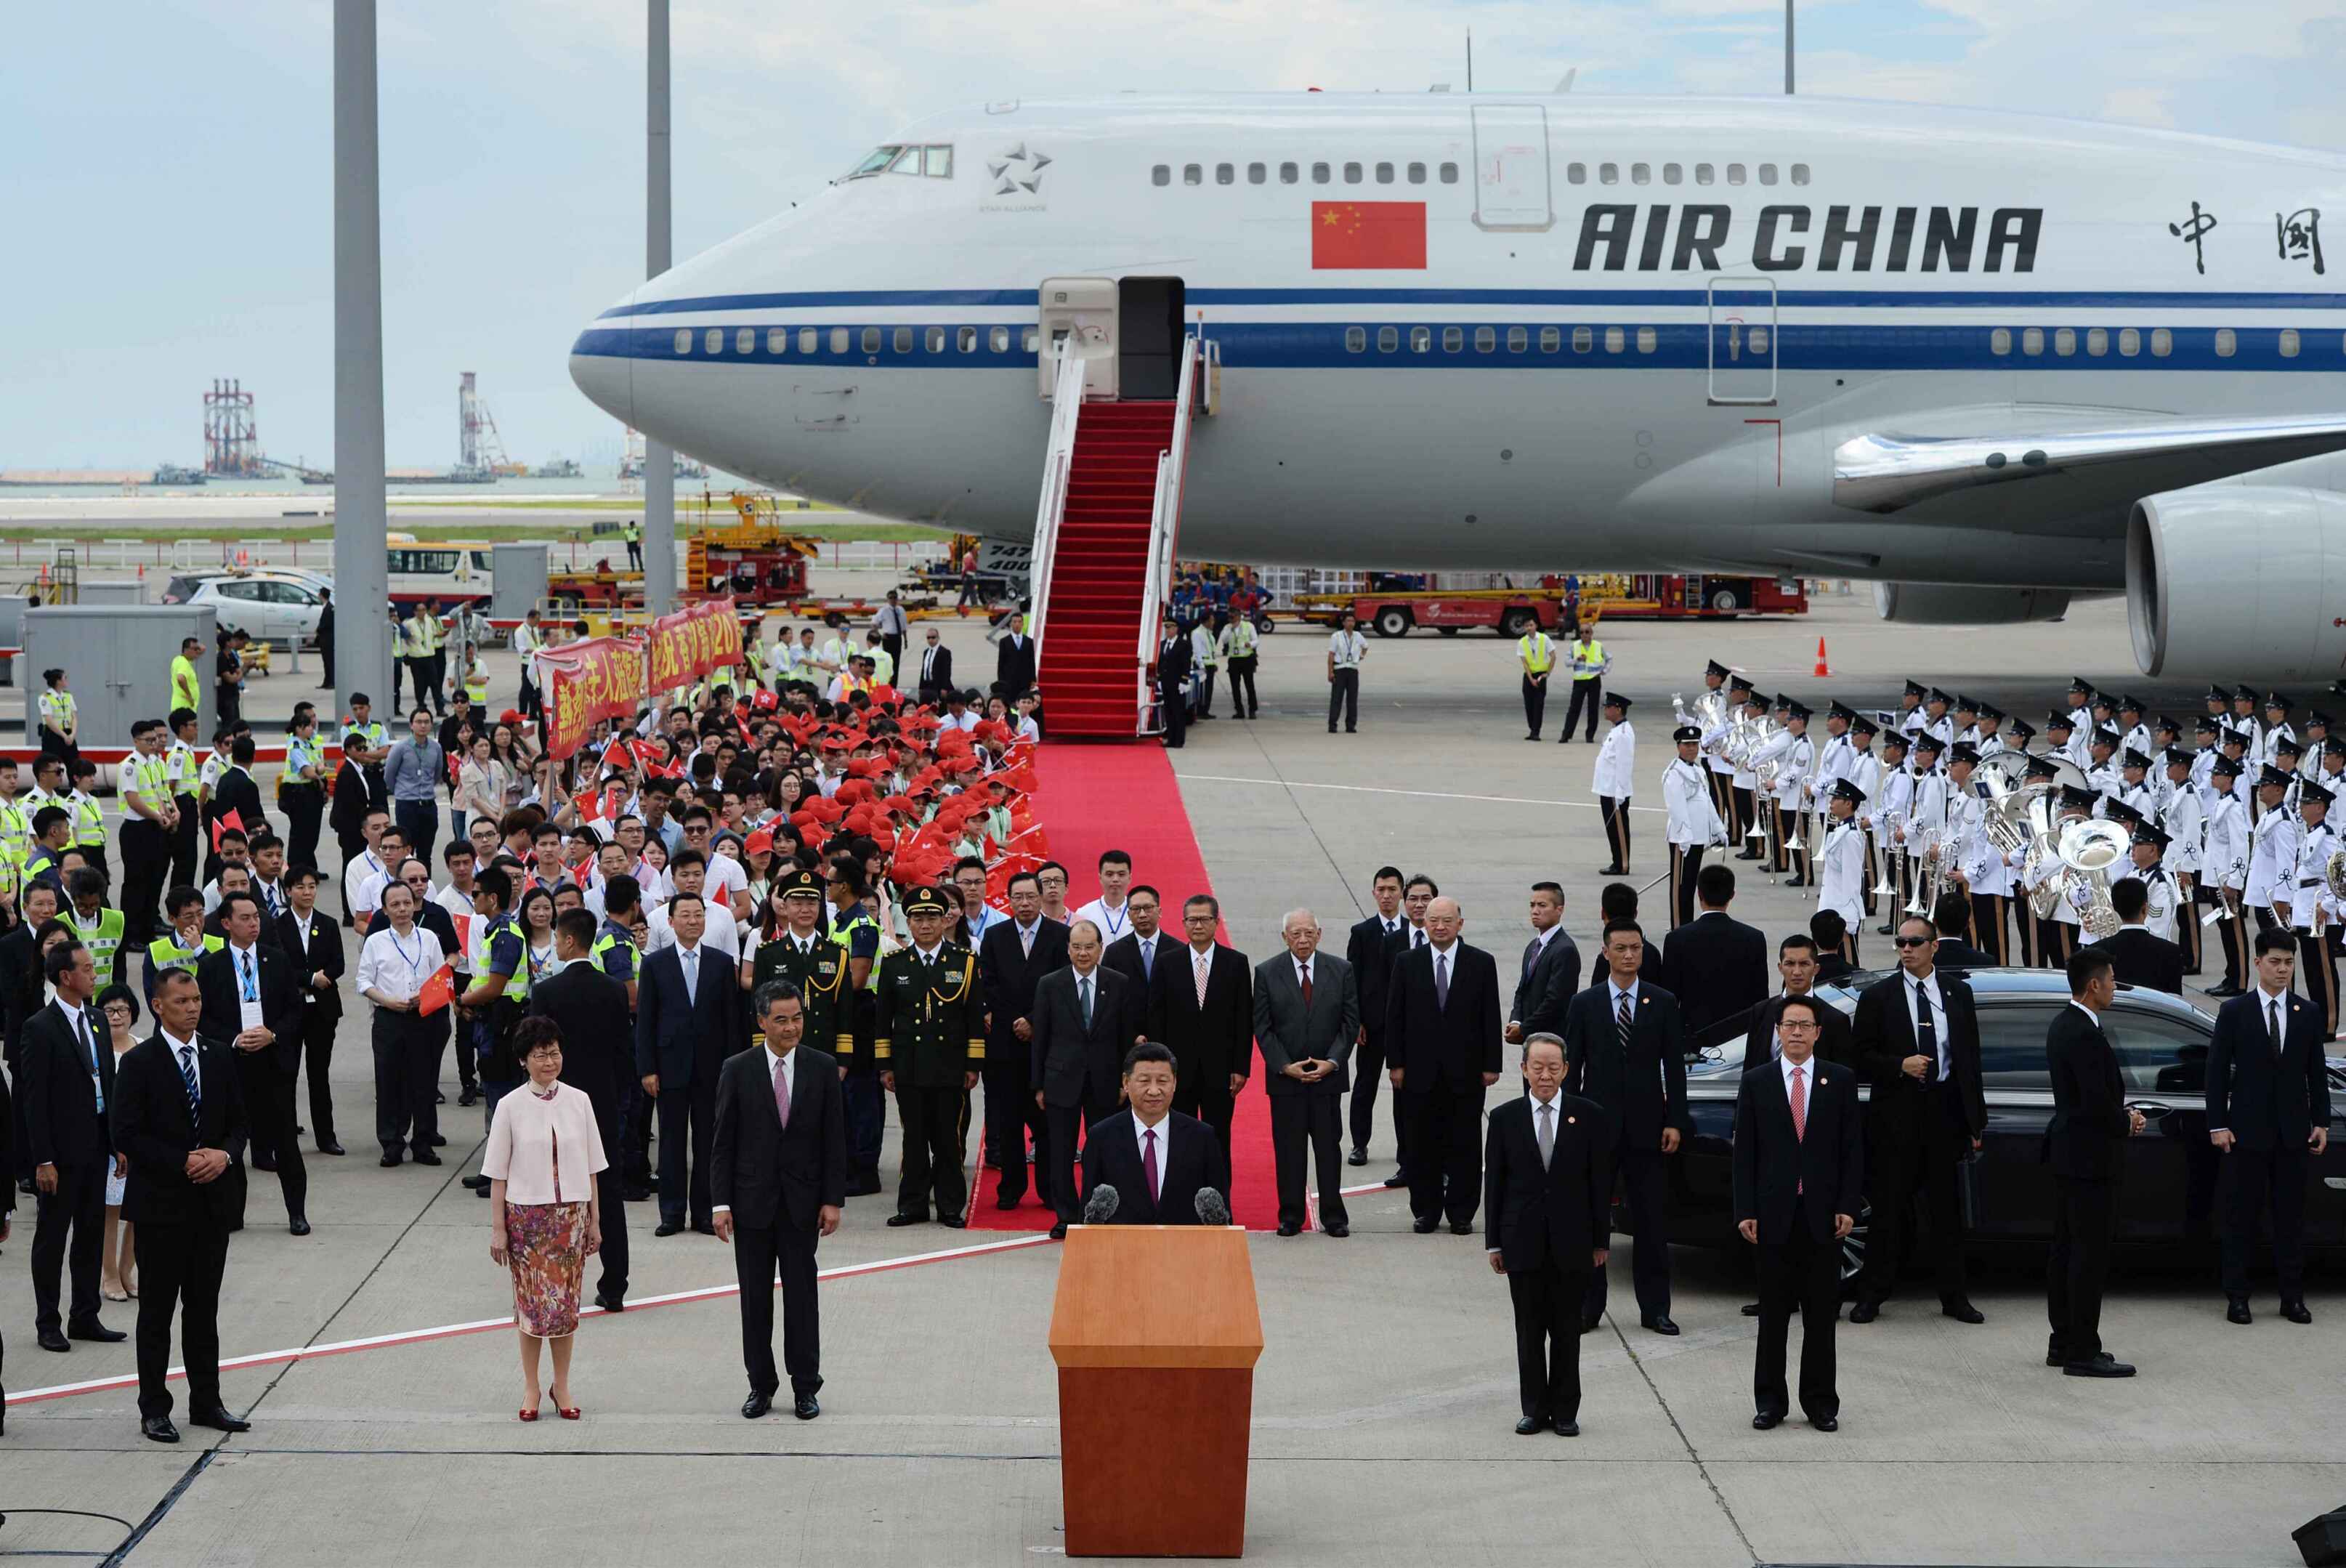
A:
1889, 887
1926, 889
2223, 908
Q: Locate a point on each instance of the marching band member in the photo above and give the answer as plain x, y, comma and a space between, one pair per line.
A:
2102, 770
2057, 933
1910, 717
1747, 777
2061, 737
1720, 779
2315, 721
2244, 719
2081, 704
2225, 870
1935, 721
1893, 801
1695, 824
2167, 911
2219, 716
1864, 768
1794, 754
1991, 728
2136, 733
2134, 782
1926, 819
2272, 850
2305, 903
2184, 821
2203, 759
1966, 722
1981, 868
2276, 726
1841, 877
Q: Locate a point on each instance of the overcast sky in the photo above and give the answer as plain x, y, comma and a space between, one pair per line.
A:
168, 186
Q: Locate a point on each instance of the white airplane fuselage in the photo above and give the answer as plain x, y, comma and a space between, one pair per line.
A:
1641, 329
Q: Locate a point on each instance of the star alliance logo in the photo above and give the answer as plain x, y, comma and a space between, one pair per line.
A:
1018, 170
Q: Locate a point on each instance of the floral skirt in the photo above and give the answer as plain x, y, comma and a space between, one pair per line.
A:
545, 1244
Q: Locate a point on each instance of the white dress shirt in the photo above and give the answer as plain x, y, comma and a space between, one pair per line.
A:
398, 966
1930, 988
722, 931
1113, 922
1163, 1129
190, 1067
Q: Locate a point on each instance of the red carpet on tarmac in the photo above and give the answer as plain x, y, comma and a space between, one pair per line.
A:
1090, 798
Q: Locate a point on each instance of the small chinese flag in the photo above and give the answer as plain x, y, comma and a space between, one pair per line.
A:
438, 991
1351, 235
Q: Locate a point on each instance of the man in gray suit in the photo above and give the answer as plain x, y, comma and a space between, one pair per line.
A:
1307, 1014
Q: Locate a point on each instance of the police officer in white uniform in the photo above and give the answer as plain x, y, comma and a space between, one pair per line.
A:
2166, 903
1616, 768
1981, 868
2183, 819
1695, 824
2224, 869
2276, 726
1887, 809
2309, 906
1840, 878
1793, 756
2273, 851
1926, 817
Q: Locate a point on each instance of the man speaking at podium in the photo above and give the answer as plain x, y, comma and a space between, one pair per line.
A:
1157, 1160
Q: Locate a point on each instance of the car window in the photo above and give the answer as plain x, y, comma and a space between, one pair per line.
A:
2012, 1047
480, 560
282, 594
2158, 1052
247, 591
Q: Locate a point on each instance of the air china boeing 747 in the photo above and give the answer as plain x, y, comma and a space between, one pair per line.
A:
1994, 363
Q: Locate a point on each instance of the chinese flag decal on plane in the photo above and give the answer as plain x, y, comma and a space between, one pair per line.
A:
1368, 234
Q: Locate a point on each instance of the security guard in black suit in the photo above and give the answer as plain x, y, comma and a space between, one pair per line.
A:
931, 1043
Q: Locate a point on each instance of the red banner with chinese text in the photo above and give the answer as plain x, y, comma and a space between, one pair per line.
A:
589, 681
692, 642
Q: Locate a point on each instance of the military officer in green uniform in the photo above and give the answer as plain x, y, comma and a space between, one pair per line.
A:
815, 962
930, 1042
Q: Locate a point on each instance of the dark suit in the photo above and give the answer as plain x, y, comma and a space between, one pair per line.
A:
1794, 1180
1923, 1129
1641, 1083
598, 1059
64, 1128
7, 1189
1832, 966
777, 1179
357, 792
234, 792
2084, 1143
1546, 1221
1210, 1040
1716, 966
1303, 1116
320, 950
1079, 1070
684, 1037
1009, 975
1365, 951
1953, 953
183, 1226
1760, 1043
933, 672
2138, 957
1546, 981
1190, 1161
268, 1074
1172, 665
1445, 1052
1014, 666
2271, 1102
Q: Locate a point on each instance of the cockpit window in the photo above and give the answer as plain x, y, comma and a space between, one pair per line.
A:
935, 161
878, 162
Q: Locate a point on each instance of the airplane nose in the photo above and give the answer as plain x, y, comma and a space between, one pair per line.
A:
600, 366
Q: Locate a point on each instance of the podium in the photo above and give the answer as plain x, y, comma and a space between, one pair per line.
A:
1156, 1334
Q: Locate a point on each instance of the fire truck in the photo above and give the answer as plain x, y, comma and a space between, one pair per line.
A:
1393, 607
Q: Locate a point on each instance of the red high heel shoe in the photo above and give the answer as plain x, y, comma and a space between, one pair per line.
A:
568, 1412
529, 1415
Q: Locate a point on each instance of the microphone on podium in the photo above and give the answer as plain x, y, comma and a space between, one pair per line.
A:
1211, 1209
1100, 1206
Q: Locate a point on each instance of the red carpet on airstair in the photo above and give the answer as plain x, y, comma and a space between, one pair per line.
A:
1091, 628
1091, 798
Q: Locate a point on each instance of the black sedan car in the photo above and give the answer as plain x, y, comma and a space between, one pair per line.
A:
2168, 1200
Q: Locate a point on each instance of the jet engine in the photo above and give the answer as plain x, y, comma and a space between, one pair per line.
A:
1952, 605
2239, 581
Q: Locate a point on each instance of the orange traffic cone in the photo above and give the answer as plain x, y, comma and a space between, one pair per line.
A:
1823, 669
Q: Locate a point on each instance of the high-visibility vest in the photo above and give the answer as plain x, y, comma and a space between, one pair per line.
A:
476, 686
422, 635
486, 932
166, 953
1587, 658
58, 708
1242, 636
103, 938
90, 821
1537, 651
150, 778
179, 768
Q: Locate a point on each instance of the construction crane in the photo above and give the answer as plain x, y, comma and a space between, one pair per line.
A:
479, 449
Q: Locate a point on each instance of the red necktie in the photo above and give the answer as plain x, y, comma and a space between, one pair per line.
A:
1307, 986
1149, 1160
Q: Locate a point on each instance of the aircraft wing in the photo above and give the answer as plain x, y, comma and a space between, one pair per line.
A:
1987, 466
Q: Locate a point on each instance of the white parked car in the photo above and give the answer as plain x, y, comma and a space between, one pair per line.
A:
268, 606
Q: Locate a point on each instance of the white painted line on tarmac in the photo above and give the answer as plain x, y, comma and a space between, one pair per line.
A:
487, 1324
1416, 794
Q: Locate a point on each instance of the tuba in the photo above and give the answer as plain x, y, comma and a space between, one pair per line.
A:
2094, 852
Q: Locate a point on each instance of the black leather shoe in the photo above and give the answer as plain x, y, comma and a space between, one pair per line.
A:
1531, 1426
1288, 1228
2102, 1366
1338, 1231
2295, 1312
1397, 1179
1590, 1321
424, 1157
298, 1225
1765, 1420
1964, 1312
51, 1339
756, 1405
704, 1227
1751, 1308
667, 1227
897, 1219
439, 1140
610, 1303
1661, 1324
388, 1161
1566, 1429
868, 1187
2235, 1310
1059, 1231
1829, 1424
469, 1098
330, 1146
952, 1221
157, 1428
96, 1332
264, 1163
482, 1191
1002, 1202
1865, 1312
1424, 1226
1612, 871
636, 1195
805, 1408
219, 1419
473, 1181
1357, 1158
1461, 1227
438, 1098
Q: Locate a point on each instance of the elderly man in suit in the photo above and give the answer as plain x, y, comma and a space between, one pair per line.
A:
1625, 1043
1800, 1181
252, 1000
1013, 957
1550, 975
1917, 1039
1200, 1003
1443, 1026
1157, 1160
64, 1080
179, 1119
1716, 965
1307, 1019
1085, 1018
778, 1181
2268, 1113
2084, 1143
1364, 954
585, 1004
684, 1028
1547, 1188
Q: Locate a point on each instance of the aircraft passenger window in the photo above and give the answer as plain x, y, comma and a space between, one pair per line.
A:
2289, 343
1549, 340
684, 339
1672, 174
1518, 340
1614, 339
807, 338
1388, 340
1800, 173
1319, 174
2065, 341
1641, 174
936, 162
903, 342
2031, 341
1288, 173
1225, 174
2097, 342
1421, 339
778, 340
1485, 340
1356, 340
1645, 340
2129, 342
745, 342
1734, 174
1576, 173
2162, 342
1028, 337
1417, 174
713, 341
1702, 174
934, 340
999, 340
1999, 342
870, 340
1385, 174
1351, 174
1758, 341
1766, 174
1193, 174
839, 340
1257, 173
1161, 175
1583, 340
1449, 174
1608, 174
965, 338
2228, 343
1453, 338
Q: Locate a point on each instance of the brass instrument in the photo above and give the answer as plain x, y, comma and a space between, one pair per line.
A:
2093, 850
2223, 908
1744, 741
2333, 873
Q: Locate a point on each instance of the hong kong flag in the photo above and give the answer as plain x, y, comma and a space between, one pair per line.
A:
1351, 235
